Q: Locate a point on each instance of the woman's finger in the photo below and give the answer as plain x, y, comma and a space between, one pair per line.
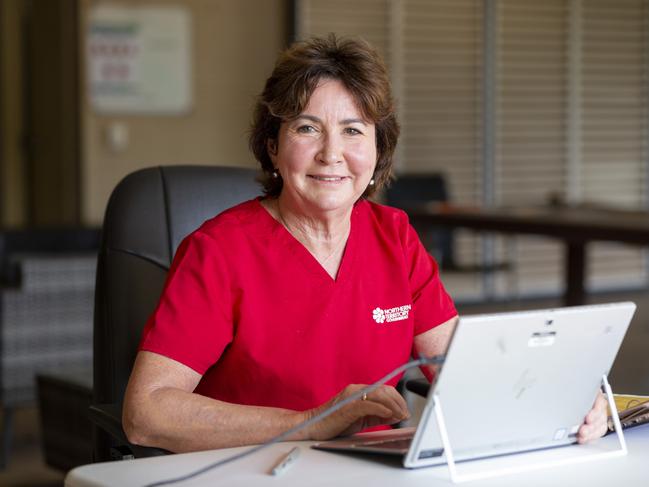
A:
389, 397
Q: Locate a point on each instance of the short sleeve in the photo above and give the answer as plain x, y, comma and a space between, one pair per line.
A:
192, 323
432, 305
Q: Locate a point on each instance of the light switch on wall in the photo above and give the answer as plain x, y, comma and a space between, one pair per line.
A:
116, 136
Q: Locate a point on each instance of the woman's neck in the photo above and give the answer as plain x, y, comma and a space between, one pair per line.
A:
323, 235
322, 227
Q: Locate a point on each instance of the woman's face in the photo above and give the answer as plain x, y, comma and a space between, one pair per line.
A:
327, 155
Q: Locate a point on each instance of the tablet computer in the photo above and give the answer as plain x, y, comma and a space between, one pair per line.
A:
511, 382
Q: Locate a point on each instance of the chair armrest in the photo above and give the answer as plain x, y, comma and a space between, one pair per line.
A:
418, 386
108, 417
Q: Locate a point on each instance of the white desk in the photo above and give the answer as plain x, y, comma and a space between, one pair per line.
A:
317, 468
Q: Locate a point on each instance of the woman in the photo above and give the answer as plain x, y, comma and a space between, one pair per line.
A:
282, 306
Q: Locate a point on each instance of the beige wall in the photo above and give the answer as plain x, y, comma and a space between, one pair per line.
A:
234, 48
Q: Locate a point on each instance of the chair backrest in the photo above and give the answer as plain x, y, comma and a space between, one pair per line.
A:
412, 189
148, 214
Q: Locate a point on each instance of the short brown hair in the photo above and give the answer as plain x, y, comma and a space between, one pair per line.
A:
297, 73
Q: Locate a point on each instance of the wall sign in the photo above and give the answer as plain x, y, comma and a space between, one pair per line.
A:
139, 59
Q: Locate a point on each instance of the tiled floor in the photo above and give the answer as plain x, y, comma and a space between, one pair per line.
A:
26, 467
630, 374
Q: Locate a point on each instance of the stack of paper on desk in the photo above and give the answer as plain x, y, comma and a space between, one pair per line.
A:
633, 410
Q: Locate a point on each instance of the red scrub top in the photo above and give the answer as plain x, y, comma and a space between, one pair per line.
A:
249, 308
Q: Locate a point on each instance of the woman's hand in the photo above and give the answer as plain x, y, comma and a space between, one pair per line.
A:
595, 423
383, 405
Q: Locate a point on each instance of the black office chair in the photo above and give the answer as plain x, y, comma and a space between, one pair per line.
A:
413, 189
148, 215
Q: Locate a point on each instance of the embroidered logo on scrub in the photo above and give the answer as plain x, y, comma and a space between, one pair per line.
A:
397, 313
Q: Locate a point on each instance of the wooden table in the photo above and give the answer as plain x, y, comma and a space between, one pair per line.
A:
574, 226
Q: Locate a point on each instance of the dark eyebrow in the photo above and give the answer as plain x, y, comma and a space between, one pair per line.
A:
313, 118
346, 121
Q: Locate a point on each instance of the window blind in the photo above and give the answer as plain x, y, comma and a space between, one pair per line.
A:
570, 112
441, 108
614, 133
368, 19
530, 124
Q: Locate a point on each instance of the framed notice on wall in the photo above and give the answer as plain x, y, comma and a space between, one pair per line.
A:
139, 59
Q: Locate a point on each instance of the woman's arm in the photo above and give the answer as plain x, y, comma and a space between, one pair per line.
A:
161, 410
434, 342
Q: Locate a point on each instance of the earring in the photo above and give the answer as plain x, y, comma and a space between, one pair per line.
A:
275, 174
372, 182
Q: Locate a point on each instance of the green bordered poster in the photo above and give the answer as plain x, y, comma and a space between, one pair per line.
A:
139, 59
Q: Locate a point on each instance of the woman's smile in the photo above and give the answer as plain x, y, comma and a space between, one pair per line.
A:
328, 179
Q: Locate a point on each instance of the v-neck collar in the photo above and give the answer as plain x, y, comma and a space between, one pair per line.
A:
307, 258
